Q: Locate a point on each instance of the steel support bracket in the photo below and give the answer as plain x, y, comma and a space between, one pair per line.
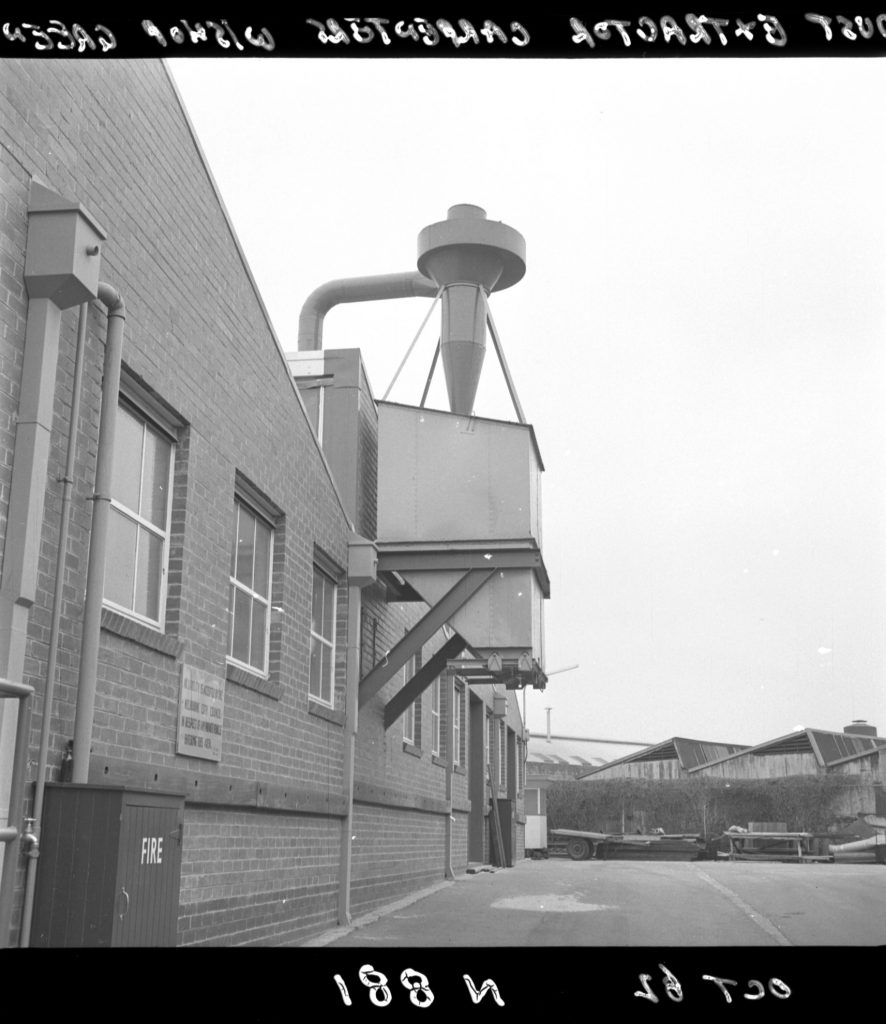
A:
446, 556
423, 679
18, 691
436, 617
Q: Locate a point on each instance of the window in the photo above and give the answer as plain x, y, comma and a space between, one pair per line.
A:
532, 802
323, 637
436, 718
456, 724
138, 528
490, 745
409, 715
250, 592
502, 754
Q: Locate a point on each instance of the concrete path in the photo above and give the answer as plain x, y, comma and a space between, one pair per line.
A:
580, 936
633, 903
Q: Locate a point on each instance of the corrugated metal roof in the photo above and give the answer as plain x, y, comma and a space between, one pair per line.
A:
689, 753
838, 746
828, 747
693, 753
594, 754
577, 750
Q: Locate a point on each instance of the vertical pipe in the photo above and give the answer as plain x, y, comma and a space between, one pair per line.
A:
450, 772
352, 671
27, 492
18, 588
16, 798
95, 574
54, 630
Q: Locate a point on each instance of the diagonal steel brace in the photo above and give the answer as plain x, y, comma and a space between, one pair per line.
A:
423, 679
436, 617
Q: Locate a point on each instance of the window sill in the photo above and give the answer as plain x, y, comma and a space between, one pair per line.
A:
129, 629
441, 761
253, 681
411, 748
326, 713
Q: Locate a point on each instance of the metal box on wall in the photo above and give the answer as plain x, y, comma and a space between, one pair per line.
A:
110, 867
61, 261
442, 476
504, 617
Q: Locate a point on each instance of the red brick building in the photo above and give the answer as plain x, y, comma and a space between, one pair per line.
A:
236, 605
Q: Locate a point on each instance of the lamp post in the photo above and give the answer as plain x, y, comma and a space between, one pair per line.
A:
555, 672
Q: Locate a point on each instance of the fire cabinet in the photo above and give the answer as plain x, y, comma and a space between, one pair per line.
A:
110, 867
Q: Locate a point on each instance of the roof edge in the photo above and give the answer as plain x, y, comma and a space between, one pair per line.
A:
242, 255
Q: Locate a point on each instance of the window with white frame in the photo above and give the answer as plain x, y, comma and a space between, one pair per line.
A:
458, 711
323, 637
138, 528
409, 717
436, 719
502, 754
490, 746
252, 558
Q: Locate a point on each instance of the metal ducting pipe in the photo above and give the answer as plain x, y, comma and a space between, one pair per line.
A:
95, 573
54, 632
356, 289
355, 599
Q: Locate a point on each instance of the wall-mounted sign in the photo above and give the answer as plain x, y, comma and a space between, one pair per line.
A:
201, 709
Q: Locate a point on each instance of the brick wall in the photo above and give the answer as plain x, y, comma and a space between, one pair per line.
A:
251, 879
111, 136
409, 843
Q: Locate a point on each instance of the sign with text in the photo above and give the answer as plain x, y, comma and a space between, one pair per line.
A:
200, 714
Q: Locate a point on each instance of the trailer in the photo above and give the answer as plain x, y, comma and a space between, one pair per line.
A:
580, 845
801, 847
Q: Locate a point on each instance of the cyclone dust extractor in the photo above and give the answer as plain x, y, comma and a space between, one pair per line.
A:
468, 257
458, 496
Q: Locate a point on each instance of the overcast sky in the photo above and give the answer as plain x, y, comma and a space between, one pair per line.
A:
699, 342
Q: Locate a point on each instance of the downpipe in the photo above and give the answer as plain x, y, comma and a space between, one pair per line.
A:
31, 835
355, 604
101, 510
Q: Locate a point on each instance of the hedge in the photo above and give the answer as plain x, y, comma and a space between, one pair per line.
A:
708, 806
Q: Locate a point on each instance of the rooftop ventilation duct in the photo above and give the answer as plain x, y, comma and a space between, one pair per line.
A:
859, 727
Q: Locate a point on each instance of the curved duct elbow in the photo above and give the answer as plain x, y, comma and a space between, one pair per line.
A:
111, 298
356, 289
